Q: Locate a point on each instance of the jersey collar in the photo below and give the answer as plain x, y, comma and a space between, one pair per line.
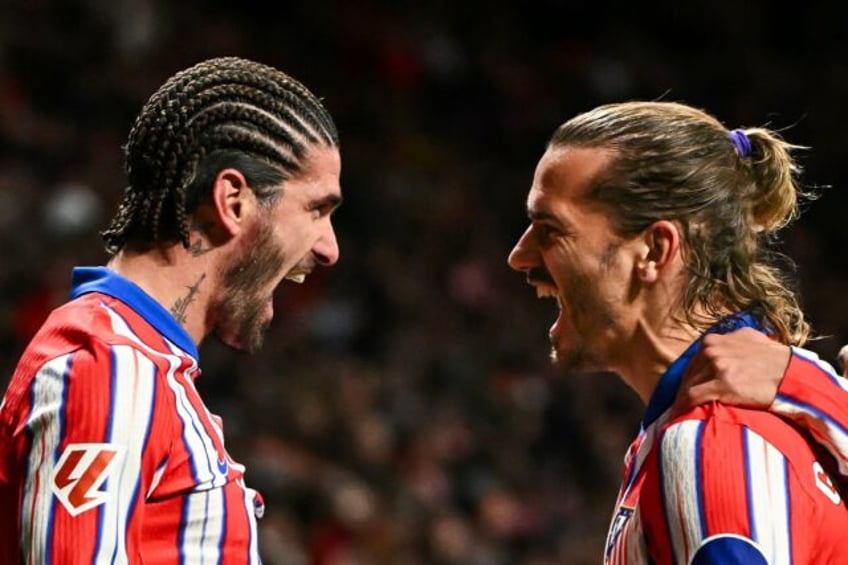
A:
666, 390
105, 281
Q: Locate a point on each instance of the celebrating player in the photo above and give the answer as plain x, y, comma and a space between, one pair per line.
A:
648, 224
107, 452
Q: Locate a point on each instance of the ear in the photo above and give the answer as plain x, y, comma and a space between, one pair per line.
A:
660, 247
233, 201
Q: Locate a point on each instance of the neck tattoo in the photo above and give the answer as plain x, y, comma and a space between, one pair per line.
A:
178, 310
197, 247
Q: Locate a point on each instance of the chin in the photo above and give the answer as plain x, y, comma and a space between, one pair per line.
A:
248, 336
575, 361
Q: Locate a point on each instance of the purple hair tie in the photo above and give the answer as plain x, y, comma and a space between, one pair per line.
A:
741, 142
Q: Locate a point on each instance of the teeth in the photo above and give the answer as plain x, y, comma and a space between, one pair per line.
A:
298, 278
545, 292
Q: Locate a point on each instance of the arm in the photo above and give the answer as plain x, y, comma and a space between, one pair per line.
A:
81, 433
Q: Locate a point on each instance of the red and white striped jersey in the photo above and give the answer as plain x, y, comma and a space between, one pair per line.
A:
721, 484
816, 398
107, 452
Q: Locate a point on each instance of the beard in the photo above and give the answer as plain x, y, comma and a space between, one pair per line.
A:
589, 315
245, 293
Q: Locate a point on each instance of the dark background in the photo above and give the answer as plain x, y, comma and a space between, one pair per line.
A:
403, 410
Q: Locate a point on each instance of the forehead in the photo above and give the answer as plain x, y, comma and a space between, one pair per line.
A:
320, 172
562, 179
567, 172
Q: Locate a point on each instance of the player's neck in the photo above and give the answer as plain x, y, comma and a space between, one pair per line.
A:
660, 332
655, 345
181, 281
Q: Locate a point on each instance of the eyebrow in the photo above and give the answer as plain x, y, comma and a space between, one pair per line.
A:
537, 215
541, 216
332, 201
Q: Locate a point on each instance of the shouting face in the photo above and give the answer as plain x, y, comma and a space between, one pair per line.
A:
570, 252
287, 238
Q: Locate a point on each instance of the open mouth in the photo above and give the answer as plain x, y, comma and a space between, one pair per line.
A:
545, 291
547, 288
550, 291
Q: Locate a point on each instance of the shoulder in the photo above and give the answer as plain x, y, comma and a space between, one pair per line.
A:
72, 327
723, 444
712, 425
91, 318
84, 330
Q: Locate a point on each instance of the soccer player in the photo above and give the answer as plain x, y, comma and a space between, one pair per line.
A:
107, 452
648, 224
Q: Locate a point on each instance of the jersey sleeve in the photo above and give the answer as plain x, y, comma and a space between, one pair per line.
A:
719, 493
83, 427
812, 395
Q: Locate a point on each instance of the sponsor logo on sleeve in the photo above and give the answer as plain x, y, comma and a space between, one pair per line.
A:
80, 480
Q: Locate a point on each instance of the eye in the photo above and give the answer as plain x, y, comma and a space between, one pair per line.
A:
546, 232
322, 211
325, 207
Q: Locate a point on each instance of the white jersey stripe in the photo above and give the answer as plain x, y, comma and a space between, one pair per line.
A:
45, 426
769, 499
824, 429
250, 509
133, 400
203, 527
679, 452
826, 367
214, 528
157, 476
196, 439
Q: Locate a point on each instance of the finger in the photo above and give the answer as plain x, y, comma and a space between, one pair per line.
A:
701, 393
700, 370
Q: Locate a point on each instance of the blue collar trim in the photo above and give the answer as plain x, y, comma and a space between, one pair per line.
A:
105, 281
666, 390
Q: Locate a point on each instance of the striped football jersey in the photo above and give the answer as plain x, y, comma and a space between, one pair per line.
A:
107, 452
721, 484
816, 398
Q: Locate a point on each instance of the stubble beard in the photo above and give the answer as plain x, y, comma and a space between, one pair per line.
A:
241, 304
589, 314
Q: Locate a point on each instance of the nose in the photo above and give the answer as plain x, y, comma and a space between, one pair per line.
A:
521, 258
326, 249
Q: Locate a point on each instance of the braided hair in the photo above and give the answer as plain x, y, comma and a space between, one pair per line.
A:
221, 112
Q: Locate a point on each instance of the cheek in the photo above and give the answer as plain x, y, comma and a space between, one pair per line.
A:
297, 234
565, 265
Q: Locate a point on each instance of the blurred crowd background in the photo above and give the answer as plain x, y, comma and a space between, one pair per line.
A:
403, 410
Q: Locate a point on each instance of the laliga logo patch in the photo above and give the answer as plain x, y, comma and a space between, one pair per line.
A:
824, 483
80, 472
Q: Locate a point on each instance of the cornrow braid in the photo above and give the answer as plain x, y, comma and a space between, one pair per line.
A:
223, 106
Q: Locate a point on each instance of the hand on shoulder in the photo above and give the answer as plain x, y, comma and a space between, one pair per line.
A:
742, 368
